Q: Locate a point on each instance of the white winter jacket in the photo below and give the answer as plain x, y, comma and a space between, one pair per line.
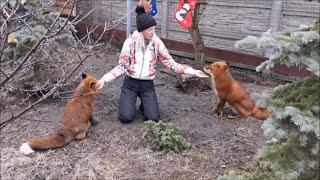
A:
141, 65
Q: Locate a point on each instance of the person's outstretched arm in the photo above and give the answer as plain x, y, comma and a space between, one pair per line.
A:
168, 61
123, 64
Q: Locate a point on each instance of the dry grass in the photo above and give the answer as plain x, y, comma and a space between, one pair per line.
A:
113, 150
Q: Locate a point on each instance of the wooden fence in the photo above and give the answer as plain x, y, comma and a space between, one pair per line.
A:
223, 22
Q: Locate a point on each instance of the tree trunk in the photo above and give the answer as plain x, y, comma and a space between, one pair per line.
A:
197, 41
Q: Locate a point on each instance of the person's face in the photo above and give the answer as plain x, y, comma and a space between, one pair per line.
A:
148, 33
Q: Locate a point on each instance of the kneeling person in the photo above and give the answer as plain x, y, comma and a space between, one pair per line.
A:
137, 60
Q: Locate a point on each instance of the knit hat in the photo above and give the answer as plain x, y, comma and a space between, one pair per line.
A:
144, 20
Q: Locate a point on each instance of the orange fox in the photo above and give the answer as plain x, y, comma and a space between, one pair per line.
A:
75, 121
228, 89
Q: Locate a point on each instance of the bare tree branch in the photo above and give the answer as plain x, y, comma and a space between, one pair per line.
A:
5, 25
52, 91
83, 52
55, 88
34, 48
24, 60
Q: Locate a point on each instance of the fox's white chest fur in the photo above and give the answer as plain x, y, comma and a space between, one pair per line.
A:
214, 85
212, 80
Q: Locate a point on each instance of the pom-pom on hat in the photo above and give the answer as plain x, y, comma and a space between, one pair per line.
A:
144, 20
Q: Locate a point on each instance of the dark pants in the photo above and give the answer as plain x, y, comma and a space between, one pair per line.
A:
144, 89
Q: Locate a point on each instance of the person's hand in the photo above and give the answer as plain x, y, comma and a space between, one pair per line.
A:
194, 72
100, 84
200, 74
147, 6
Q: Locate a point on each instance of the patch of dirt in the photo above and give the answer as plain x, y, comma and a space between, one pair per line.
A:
112, 150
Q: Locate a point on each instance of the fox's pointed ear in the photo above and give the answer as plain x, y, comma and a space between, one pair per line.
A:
224, 66
83, 76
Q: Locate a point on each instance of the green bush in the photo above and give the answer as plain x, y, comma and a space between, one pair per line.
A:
162, 136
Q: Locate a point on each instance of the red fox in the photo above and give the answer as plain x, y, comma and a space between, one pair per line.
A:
228, 89
75, 121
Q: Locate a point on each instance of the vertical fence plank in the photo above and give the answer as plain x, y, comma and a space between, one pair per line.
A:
165, 18
275, 16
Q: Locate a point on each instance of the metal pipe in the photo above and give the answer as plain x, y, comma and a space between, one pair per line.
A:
128, 28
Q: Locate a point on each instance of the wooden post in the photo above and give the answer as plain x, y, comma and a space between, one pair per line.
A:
165, 18
275, 19
275, 16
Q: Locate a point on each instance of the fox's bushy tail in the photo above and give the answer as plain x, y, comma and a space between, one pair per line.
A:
43, 142
260, 113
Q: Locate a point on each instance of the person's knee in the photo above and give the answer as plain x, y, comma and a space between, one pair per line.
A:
153, 117
126, 117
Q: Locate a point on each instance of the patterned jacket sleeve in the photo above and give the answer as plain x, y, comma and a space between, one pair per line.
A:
167, 60
123, 62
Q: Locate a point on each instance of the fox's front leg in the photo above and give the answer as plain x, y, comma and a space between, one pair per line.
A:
220, 107
92, 121
81, 131
80, 136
